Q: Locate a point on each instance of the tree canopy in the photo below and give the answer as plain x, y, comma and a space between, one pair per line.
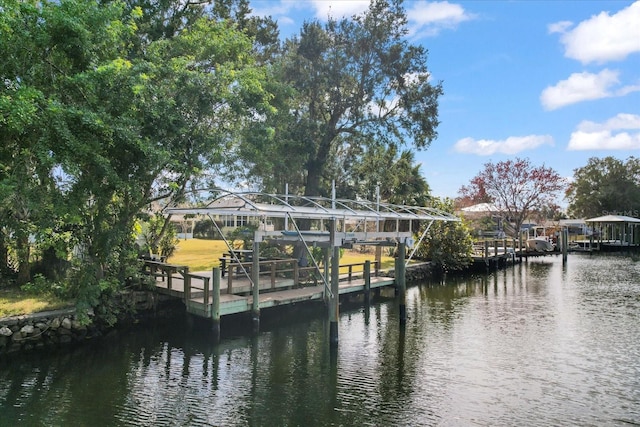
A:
96, 126
347, 83
448, 244
605, 186
109, 106
515, 187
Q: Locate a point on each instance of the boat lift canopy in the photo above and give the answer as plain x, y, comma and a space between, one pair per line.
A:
363, 217
294, 208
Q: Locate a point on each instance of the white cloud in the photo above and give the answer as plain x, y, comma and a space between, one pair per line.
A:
429, 18
338, 8
425, 18
621, 121
281, 11
621, 132
602, 37
559, 27
584, 87
511, 145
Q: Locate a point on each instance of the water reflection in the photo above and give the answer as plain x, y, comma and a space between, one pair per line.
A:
538, 344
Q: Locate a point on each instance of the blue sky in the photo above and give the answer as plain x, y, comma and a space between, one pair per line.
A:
557, 82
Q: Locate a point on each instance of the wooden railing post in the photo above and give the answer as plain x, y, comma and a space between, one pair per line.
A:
273, 274
296, 273
187, 284
170, 278
206, 291
229, 278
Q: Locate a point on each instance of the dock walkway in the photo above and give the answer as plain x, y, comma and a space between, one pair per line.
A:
233, 293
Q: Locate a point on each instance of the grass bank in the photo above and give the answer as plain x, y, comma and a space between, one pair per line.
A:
200, 255
14, 302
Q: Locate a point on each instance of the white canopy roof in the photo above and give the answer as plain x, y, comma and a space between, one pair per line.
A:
282, 206
481, 207
614, 218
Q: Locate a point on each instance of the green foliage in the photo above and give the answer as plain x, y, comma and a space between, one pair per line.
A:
364, 171
605, 186
243, 234
341, 85
105, 108
205, 229
448, 244
159, 235
41, 286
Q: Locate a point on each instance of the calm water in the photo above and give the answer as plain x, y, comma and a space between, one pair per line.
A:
538, 344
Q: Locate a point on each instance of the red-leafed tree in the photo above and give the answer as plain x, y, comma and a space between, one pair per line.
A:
515, 187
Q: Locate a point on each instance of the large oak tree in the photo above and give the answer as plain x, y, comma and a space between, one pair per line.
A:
347, 82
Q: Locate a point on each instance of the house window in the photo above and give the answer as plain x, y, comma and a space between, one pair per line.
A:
234, 221
241, 221
229, 220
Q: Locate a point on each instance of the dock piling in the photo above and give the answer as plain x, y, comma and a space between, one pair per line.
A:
401, 282
255, 278
215, 303
334, 302
367, 282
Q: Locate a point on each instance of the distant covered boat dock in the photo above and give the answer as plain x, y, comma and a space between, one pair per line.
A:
613, 233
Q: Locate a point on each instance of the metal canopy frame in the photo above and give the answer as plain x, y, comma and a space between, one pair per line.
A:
295, 208
304, 207
292, 208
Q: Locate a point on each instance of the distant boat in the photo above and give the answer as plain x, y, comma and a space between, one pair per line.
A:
540, 244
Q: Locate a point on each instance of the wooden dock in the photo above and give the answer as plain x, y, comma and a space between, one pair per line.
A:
501, 253
209, 295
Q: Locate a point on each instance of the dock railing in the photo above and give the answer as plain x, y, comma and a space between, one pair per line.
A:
358, 267
274, 269
163, 271
281, 273
496, 247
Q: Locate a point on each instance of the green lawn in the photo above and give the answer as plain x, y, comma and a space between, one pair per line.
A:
14, 302
201, 255
198, 254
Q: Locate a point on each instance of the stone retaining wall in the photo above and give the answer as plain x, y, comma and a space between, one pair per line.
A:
60, 327
23, 333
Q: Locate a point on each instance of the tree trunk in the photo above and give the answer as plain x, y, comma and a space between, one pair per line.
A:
23, 251
4, 254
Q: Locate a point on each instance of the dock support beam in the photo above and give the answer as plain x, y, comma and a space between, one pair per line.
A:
367, 282
334, 300
255, 278
401, 282
334, 304
215, 303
